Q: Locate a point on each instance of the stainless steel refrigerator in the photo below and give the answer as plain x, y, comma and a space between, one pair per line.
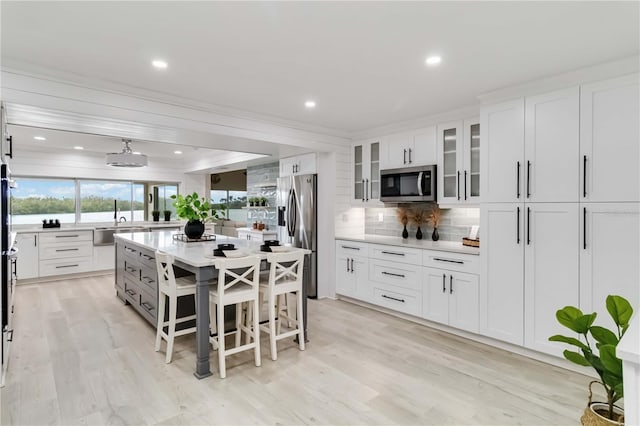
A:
297, 221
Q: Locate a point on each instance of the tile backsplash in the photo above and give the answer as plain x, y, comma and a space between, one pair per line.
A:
455, 223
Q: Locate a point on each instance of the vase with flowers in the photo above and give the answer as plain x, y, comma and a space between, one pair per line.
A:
418, 217
434, 219
403, 218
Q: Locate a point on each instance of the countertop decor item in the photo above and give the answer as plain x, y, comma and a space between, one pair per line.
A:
167, 215
418, 216
156, 215
604, 360
196, 211
434, 219
403, 218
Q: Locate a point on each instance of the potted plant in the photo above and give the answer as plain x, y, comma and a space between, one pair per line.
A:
252, 201
167, 215
607, 365
196, 211
417, 217
263, 201
156, 215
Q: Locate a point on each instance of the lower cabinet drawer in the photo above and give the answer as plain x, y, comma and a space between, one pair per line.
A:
132, 291
398, 299
149, 306
148, 279
65, 266
61, 250
148, 258
397, 274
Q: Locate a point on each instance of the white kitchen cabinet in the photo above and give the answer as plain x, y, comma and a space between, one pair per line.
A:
502, 272
65, 252
451, 298
609, 140
366, 173
551, 141
551, 270
609, 254
459, 162
305, 164
352, 270
28, 259
502, 151
255, 235
104, 258
408, 149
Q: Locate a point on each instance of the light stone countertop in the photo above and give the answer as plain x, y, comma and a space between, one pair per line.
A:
449, 246
198, 254
23, 229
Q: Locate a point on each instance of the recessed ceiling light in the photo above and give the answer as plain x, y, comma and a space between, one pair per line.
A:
160, 64
433, 60
78, 147
40, 138
310, 104
177, 152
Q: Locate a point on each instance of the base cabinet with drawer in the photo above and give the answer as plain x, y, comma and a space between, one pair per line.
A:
65, 252
451, 298
352, 270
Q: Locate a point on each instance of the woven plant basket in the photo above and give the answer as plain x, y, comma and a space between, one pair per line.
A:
591, 418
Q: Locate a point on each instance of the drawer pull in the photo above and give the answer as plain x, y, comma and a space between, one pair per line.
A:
148, 280
131, 269
66, 266
130, 250
392, 274
350, 248
393, 253
444, 283
130, 292
71, 249
146, 256
147, 306
450, 284
393, 298
439, 259
67, 236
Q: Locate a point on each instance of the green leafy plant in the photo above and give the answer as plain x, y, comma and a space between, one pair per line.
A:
607, 365
191, 207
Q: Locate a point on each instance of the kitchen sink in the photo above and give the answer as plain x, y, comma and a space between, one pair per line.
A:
104, 236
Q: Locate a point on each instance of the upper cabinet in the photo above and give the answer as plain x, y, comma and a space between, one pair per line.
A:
298, 165
366, 173
610, 140
415, 148
531, 148
458, 171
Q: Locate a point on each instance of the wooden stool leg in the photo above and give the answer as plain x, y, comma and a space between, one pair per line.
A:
160, 325
256, 330
300, 321
272, 326
221, 342
173, 302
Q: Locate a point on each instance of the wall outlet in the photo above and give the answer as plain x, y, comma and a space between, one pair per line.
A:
380, 217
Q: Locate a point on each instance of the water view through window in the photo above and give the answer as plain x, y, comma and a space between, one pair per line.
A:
36, 199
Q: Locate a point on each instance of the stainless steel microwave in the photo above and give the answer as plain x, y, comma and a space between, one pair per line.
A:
408, 184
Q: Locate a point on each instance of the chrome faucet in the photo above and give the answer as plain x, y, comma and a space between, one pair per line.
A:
123, 219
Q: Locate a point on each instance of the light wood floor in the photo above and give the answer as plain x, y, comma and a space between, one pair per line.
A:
80, 356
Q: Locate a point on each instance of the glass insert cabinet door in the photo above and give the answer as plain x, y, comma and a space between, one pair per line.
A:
366, 172
474, 160
450, 162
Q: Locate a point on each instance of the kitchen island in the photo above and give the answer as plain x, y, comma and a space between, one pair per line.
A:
136, 279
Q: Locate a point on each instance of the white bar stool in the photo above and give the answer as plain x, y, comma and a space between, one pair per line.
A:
285, 277
171, 288
238, 283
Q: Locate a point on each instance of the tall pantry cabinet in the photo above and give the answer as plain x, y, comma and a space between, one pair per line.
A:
535, 217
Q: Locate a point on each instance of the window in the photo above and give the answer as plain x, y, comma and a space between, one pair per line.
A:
37, 199
162, 198
100, 199
229, 204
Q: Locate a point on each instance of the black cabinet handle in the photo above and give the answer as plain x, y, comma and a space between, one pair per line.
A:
450, 284
518, 225
584, 176
352, 270
584, 228
10, 140
71, 249
528, 178
404, 157
393, 298
517, 179
350, 248
348, 270
147, 306
439, 259
148, 280
66, 266
366, 190
67, 236
146, 256
363, 190
465, 184
458, 183
395, 254
409, 155
392, 274
35, 240
528, 225
444, 283
130, 292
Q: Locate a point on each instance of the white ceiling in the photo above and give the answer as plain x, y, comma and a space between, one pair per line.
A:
363, 63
